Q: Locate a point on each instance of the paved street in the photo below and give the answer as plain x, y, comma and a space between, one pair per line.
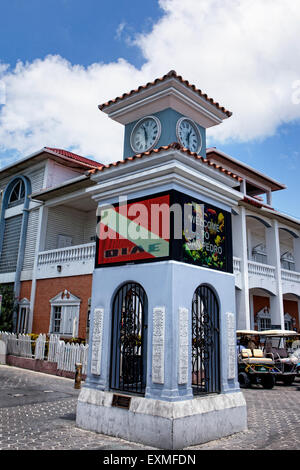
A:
37, 412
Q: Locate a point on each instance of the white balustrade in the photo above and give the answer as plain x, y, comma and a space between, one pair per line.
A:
236, 265
67, 254
260, 269
290, 276
264, 270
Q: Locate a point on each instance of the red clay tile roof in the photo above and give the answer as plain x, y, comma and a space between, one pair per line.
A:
256, 203
171, 74
74, 156
175, 146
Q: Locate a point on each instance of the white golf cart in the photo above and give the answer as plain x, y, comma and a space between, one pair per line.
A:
278, 346
253, 366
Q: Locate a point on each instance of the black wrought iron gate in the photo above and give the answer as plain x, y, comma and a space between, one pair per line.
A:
205, 341
129, 339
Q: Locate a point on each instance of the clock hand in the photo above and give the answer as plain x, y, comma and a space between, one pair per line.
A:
145, 133
188, 137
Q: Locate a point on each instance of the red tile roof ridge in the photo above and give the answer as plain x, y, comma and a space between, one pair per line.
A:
175, 146
171, 74
75, 156
256, 203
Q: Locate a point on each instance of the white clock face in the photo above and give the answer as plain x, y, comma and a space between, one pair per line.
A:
188, 134
145, 134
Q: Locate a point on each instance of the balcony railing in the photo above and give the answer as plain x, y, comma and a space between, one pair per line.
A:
260, 269
254, 268
236, 265
290, 276
70, 253
265, 271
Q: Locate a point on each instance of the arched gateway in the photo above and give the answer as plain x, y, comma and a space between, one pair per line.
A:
205, 341
129, 324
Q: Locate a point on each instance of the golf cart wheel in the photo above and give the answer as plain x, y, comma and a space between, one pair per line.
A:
288, 380
268, 381
244, 380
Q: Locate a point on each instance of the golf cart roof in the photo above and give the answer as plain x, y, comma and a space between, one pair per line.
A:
248, 332
279, 333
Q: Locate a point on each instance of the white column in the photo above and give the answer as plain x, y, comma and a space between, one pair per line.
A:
239, 236
251, 303
296, 252
40, 242
243, 187
249, 244
273, 254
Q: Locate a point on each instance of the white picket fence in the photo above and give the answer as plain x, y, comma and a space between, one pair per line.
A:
66, 355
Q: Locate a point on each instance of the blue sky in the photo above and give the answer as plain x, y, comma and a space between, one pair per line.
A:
78, 54
83, 32
278, 157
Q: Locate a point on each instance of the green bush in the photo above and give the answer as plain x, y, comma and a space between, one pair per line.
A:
7, 307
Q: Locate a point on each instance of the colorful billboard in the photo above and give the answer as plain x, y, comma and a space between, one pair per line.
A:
165, 226
134, 231
206, 243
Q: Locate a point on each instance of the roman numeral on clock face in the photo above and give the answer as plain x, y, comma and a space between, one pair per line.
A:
145, 134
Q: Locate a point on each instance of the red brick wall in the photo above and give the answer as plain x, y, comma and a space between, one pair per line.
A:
46, 289
25, 290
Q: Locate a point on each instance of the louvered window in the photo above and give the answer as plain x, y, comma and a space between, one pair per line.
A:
10, 248
23, 316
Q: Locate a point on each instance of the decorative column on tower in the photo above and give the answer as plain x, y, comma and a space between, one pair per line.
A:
162, 355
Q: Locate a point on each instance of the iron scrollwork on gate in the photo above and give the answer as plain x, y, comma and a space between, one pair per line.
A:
205, 341
128, 365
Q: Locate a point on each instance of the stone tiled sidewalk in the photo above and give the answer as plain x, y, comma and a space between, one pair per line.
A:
37, 412
273, 421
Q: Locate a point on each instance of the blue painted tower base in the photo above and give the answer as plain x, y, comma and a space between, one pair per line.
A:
161, 424
168, 416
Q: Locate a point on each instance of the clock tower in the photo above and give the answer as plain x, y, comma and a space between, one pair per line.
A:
162, 366
167, 110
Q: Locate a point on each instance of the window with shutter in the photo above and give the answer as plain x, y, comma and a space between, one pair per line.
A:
65, 314
10, 247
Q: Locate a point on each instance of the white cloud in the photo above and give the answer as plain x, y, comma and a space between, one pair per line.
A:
52, 103
243, 53
120, 30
